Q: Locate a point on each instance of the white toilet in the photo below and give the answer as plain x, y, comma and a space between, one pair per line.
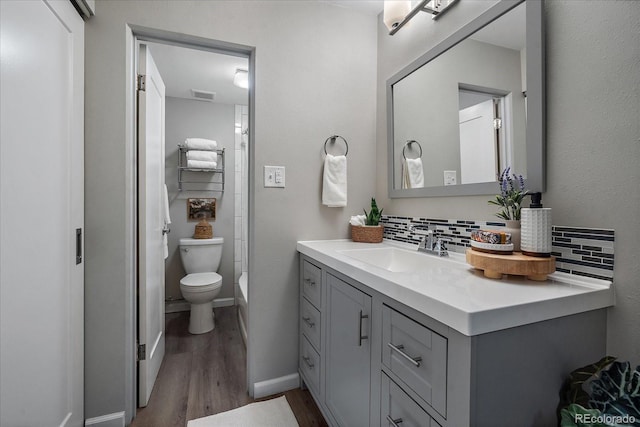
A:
201, 259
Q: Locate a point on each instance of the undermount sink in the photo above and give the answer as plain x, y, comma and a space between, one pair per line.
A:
394, 259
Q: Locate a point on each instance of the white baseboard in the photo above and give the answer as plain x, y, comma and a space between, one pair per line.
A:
276, 385
110, 420
178, 305
224, 302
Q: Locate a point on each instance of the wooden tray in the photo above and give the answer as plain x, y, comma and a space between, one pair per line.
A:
517, 264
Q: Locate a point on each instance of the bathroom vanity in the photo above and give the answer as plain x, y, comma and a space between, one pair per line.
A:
390, 336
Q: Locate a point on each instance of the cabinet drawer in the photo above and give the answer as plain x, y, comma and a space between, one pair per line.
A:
310, 323
417, 355
312, 283
397, 407
310, 365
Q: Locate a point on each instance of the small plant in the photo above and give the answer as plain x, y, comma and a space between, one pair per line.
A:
512, 192
605, 393
374, 215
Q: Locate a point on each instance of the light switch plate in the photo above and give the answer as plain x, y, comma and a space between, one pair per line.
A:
450, 178
274, 176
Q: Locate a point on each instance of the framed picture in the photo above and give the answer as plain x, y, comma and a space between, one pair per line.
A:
201, 208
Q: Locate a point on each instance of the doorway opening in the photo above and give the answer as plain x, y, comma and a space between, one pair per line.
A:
200, 101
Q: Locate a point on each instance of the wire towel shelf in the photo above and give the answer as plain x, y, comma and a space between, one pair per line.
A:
182, 167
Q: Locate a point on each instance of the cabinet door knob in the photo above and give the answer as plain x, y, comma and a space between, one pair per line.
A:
360, 336
398, 348
308, 361
394, 423
308, 321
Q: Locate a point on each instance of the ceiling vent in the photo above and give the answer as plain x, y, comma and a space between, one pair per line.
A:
203, 95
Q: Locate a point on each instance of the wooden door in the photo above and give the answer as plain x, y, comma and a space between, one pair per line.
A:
42, 214
151, 110
348, 354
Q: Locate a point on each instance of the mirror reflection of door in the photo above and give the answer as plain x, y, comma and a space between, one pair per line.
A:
484, 141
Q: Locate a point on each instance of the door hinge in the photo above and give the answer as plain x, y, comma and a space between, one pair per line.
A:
142, 82
142, 352
497, 124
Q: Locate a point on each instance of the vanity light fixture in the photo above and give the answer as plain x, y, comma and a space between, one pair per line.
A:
241, 78
397, 13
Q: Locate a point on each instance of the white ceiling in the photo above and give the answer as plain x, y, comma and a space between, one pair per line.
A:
183, 69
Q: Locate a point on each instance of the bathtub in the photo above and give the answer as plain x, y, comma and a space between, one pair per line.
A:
241, 296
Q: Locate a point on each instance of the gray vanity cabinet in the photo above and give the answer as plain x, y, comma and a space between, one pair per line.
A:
348, 353
369, 360
311, 338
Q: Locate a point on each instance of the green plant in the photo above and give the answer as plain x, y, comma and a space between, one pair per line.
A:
512, 192
374, 215
605, 393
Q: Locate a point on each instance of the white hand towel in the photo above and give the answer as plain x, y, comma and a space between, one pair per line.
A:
207, 156
201, 164
405, 175
415, 173
167, 221
358, 220
334, 181
200, 144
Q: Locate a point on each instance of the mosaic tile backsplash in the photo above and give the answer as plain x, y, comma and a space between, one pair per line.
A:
584, 252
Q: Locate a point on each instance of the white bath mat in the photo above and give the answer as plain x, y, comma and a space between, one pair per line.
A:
270, 413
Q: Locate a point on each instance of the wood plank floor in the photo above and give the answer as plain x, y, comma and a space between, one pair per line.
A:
205, 374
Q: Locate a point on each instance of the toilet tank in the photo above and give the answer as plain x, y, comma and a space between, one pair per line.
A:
201, 255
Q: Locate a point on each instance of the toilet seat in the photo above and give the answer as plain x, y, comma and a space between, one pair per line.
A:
201, 282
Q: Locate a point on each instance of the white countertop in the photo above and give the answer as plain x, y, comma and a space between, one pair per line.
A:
454, 293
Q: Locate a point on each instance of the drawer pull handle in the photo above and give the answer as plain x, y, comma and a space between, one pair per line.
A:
308, 321
360, 336
308, 361
310, 282
394, 423
414, 360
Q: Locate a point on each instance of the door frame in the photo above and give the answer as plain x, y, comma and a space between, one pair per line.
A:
134, 35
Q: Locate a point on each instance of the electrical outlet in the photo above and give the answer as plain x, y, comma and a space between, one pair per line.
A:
450, 178
274, 176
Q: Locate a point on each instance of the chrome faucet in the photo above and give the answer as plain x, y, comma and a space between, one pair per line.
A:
430, 243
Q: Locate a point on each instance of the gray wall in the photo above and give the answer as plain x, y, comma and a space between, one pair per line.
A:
190, 118
593, 151
426, 106
315, 76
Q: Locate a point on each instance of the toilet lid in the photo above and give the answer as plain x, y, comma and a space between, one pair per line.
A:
201, 279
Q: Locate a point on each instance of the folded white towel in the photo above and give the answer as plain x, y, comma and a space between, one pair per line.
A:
358, 220
412, 173
334, 181
207, 156
200, 144
201, 164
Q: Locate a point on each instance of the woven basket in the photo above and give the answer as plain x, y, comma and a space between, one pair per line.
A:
203, 230
367, 233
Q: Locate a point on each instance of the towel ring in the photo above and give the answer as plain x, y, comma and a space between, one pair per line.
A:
409, 142
333, 140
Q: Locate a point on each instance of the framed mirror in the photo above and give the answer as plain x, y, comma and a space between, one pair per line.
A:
470, 107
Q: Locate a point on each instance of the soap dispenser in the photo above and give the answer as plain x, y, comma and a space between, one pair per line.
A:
536, 228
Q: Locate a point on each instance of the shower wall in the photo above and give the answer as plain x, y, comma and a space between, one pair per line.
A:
241, 193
